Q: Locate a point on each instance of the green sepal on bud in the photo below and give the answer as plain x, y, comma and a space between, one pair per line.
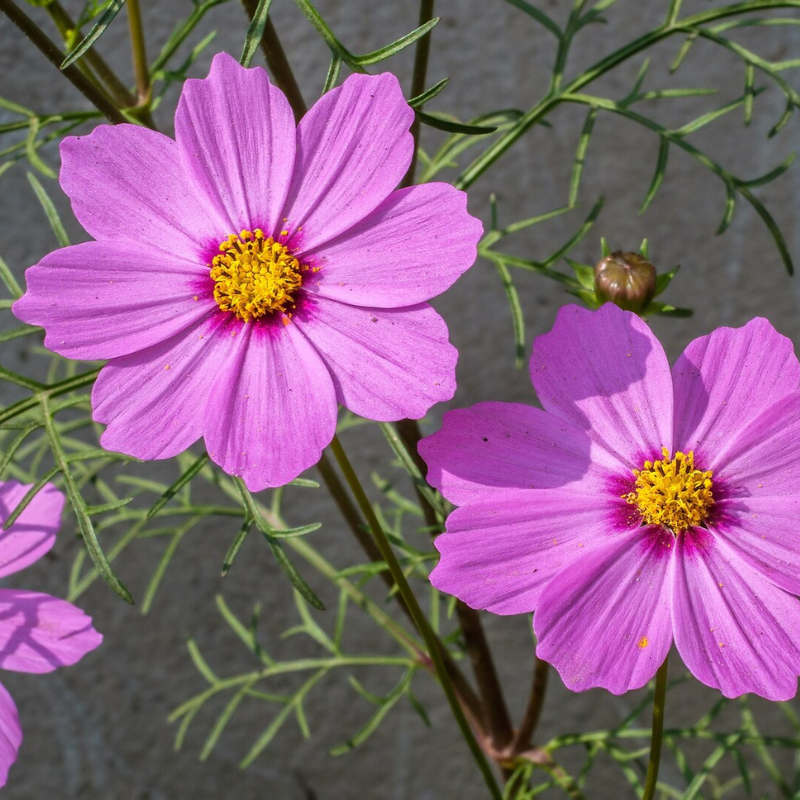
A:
627, 279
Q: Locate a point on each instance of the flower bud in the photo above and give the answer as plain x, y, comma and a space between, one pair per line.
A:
627, 279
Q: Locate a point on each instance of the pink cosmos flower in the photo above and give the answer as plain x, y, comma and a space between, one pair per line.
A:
248, 275
38, 633
642, 506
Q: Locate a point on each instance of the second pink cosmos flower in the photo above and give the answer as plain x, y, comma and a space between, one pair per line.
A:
643, 506
248, 275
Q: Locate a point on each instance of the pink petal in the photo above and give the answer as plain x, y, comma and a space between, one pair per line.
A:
735, 630
10, 734
272, 410
512, 446
353, 148
762, 458
237, 136
726, 379
411, 248
128, 182
387, 364
500, 550
154, 401
605, 372
605, 621
763, 532
122, 297
39, 633
758, 474
34, 532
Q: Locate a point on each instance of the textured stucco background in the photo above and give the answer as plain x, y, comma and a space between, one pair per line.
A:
99, 730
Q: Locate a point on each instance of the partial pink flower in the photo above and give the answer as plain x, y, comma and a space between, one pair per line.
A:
642, 506
38, 633
247, 275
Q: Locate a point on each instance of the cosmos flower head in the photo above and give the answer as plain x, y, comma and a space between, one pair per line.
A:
38, 633
640, 507
249, 275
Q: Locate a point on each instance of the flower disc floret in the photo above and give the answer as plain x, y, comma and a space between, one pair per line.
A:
254, 276
672, 493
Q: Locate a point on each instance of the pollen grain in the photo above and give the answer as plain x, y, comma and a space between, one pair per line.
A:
254, 276
672, 493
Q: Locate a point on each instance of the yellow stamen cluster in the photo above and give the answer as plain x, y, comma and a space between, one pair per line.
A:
672, 493
254, 275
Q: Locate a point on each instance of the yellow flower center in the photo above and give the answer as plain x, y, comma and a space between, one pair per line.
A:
254, 275
672, 493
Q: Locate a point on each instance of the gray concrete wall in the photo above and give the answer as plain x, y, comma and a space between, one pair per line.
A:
99, 730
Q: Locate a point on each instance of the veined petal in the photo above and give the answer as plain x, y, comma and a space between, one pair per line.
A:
502, 549
495, 446
39, 633
735, 630
272, 409
606, 373
10, 734
236, 133
763, 531
411, 248
353, 148
387, 364
153, 402
101, 300
605, 621
762, 458
725, 380
34, 532
128, 182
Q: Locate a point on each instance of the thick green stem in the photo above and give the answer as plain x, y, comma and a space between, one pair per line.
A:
659, 701
139, 52
350, 513
495, 711
423, 49
42, 42
421, 622
522, 739
112, 84
465, 692
278, 63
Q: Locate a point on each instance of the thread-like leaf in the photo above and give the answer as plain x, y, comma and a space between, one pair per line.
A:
255, 32
389, 50
658, 175
50, 210
184, 479
515, 307
277, 551
98, 29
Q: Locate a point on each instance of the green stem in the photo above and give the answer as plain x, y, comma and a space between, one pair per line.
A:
43, 43
466, 694
278, 63
112, 84
423, 49
495, 711
139, 53
555, 96
522, 739
659, 702
431, 641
